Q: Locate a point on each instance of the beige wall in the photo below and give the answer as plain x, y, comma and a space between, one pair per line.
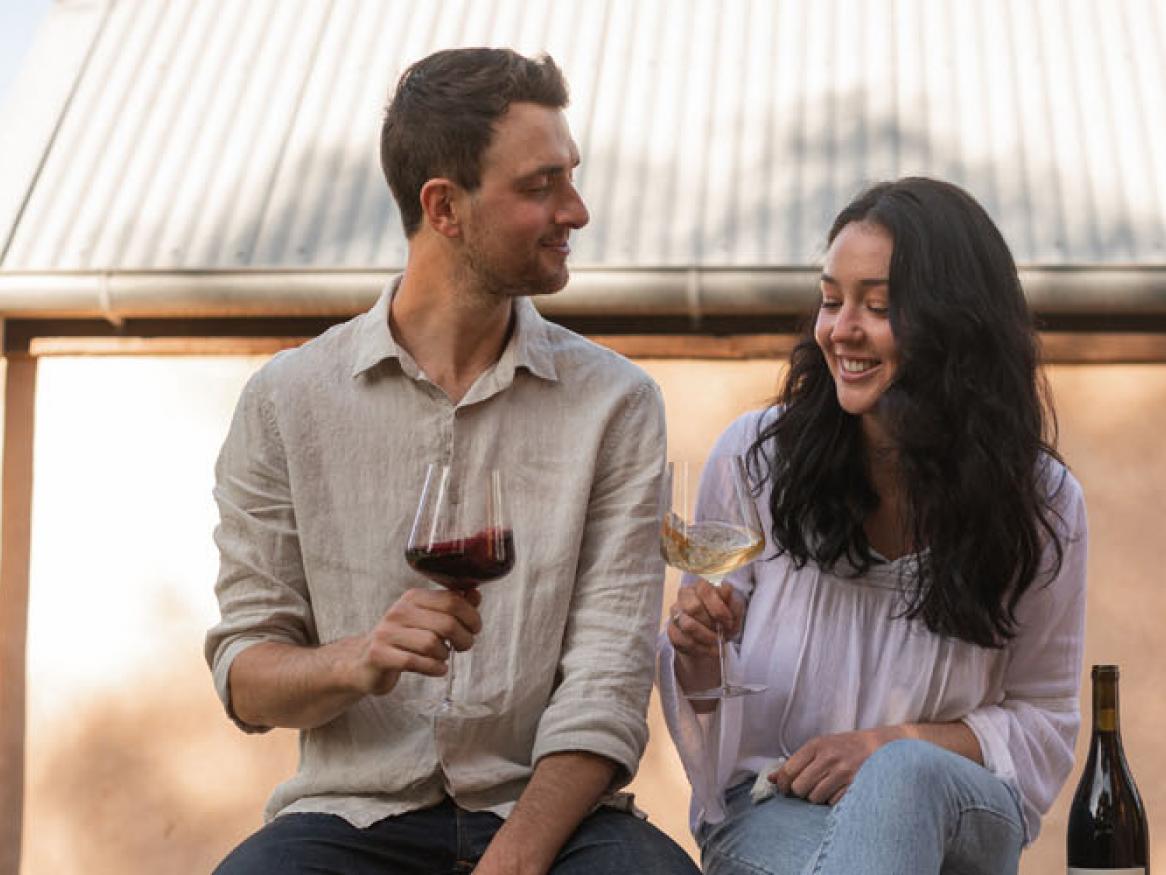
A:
133, 768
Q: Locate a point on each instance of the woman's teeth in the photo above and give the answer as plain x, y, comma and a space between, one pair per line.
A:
856, 366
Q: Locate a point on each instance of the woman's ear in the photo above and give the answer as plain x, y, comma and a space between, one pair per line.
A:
439, 203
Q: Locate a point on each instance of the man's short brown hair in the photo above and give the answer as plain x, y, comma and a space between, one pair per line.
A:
440, 120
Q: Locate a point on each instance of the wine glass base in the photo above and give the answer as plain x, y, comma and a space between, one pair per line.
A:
725, 691
445, 708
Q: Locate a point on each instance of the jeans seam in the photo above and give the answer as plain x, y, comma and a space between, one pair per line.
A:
985, 809
828, 837
740, 861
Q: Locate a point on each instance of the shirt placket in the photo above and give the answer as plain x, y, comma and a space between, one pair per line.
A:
448, 732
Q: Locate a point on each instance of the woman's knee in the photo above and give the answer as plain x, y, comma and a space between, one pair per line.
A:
908, 769
908, 760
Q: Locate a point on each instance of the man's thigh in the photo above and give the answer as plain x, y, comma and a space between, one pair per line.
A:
435, 840
611, 842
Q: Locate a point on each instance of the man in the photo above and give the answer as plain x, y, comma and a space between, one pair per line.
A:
326, 629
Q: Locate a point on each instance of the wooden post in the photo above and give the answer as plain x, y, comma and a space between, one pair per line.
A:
19, 374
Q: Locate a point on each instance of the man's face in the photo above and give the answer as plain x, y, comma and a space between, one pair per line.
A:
518, 221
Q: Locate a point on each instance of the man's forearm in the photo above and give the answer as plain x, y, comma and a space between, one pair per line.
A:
277, 684
562, 791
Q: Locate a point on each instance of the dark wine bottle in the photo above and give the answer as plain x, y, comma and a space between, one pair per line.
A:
1107, 823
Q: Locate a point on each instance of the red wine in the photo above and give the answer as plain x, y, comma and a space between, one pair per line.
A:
1107, 823
461, 564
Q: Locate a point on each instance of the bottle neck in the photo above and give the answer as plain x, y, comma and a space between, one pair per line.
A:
1105, 705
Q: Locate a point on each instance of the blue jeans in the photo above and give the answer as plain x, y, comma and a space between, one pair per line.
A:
445, 840
913, 808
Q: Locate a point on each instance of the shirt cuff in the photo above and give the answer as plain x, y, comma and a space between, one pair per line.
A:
222, 674
596, 727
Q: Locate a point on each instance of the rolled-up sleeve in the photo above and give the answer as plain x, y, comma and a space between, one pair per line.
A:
605, 672
261, 586
1027, 738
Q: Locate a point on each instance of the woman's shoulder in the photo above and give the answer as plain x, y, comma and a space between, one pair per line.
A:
1064, 496
1058, 483
743, 432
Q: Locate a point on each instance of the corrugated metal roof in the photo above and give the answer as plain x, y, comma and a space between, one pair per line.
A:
242, 134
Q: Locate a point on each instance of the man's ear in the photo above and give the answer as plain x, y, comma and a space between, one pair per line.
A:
440, 204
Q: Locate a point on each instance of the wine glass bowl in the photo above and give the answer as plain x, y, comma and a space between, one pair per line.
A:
460, 539
461, 564
711, 537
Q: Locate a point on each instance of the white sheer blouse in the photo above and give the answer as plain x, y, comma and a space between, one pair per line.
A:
837, 657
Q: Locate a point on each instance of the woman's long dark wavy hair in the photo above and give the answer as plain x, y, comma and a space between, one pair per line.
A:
969, 413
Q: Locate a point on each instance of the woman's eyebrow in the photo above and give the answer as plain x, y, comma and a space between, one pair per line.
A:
826, 278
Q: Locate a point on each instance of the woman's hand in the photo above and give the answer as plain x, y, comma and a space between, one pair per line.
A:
692, 630
822, 769
699, 609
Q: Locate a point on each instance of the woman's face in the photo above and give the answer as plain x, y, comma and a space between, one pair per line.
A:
853, 328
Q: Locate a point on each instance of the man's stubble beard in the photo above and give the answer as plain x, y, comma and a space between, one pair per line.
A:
477, 270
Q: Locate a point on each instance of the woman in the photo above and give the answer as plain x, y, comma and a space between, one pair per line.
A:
918, 613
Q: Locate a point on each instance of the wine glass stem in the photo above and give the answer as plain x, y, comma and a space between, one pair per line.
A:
722, 658
447, 702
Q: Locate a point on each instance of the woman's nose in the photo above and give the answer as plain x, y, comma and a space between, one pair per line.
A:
847, 325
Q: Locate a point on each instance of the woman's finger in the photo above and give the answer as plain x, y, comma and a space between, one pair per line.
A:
692, 606
689, 634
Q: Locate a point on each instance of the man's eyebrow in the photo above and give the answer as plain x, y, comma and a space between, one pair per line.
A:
826, 278
552, 169
546, 170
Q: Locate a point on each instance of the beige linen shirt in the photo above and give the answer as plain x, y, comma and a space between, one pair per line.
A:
317, 484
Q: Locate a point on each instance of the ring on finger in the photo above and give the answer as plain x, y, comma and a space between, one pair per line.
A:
676, 617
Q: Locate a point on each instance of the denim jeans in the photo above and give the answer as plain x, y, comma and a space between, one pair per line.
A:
913, 808
445, 840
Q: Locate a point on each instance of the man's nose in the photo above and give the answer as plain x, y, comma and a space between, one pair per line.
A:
573, 212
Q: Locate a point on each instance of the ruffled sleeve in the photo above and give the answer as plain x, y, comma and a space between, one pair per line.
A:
708, 743
1027, 737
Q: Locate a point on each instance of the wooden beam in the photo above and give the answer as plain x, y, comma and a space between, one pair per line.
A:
15, 539
263, 337
161, 346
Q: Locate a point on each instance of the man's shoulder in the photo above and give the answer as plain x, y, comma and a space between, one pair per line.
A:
329, 351
300, 375
578, 357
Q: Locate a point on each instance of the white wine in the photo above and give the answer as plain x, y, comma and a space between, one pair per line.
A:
1107, 824
710, 549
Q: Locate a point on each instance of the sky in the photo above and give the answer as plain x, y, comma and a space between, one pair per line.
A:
19, 20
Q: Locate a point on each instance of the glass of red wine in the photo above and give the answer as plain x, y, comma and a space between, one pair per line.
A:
461, 539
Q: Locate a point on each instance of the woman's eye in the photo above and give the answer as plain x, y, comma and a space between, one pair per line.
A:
879, 309
830, 304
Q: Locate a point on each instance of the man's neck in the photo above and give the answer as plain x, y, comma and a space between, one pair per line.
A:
454, 334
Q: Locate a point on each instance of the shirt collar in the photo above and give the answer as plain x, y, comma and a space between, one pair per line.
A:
531, 342
529, 345
374, 340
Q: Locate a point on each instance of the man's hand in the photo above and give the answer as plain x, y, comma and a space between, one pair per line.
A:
823, 768
412, 636
277, 684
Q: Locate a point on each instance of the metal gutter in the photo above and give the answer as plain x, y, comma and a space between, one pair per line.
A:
695, 293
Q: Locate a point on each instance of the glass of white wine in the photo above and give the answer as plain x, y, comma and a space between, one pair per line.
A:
710, 535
